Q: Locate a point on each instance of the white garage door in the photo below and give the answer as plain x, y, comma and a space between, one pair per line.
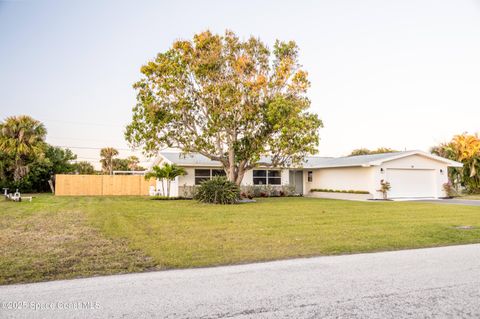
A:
411, 183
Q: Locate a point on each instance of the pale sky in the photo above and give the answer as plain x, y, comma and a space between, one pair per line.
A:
400, 74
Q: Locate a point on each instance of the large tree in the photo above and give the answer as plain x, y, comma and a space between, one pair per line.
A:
230, 100
22, 142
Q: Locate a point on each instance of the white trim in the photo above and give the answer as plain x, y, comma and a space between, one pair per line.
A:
421, 153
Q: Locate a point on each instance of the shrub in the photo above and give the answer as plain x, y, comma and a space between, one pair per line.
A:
218, 190
449, 190
251, 191
188, 191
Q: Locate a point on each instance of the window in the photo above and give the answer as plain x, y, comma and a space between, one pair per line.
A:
310, 176
201, 175
218, 172
266, 177
274, 178
206, 174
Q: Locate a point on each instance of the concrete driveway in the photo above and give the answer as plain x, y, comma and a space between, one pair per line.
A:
467, 202
427, 283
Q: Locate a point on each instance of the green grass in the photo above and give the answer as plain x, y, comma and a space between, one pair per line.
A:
65, 237
476, 197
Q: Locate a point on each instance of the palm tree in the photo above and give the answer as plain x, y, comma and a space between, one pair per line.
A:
168, 172
22, 140
107, 155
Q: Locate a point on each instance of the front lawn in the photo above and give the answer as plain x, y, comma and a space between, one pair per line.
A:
475, 197
66, 237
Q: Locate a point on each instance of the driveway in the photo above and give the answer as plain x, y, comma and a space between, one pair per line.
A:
428, 283
468, 202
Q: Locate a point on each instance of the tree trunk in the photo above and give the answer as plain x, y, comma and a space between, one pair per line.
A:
231, 164
240, 173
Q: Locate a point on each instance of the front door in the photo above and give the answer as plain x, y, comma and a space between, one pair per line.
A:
296, 179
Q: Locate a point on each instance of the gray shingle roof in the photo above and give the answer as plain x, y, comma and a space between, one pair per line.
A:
359, 160
310, 162
189, 159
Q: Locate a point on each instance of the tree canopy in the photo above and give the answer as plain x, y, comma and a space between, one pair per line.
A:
464, 148
228, 99
27, 162
85, 168
168, 172
22, 142
366, 151
107, 160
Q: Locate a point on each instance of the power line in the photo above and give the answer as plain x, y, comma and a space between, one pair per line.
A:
95, 148
83, 123
77, 139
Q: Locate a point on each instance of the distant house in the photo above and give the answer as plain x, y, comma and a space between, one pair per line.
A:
411, 174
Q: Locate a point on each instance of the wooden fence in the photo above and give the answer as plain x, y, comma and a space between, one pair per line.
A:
102, 185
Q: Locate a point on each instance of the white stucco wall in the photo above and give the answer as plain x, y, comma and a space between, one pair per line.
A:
189, 179
341, 178
368, 178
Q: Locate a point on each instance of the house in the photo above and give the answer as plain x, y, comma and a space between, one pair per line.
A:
411, 174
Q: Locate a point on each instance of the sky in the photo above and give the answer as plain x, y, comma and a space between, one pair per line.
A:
399, 74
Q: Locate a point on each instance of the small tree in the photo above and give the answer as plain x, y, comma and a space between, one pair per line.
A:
167, 173
384, 188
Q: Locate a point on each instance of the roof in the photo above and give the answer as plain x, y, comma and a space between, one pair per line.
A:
192, 159
195, 159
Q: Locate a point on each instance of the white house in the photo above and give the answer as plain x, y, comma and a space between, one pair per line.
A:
411, 174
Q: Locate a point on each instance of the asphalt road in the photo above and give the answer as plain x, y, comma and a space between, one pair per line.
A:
424, 283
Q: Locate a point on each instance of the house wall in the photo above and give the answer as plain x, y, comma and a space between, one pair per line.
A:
348, 178
413, 162
188, 180
341, 178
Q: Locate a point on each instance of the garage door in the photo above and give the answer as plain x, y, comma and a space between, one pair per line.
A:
411, 183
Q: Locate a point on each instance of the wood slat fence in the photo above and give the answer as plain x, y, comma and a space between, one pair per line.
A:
102, 185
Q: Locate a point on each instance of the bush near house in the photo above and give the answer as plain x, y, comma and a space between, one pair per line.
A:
248, 191
252, 191
350, 191
218, 190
